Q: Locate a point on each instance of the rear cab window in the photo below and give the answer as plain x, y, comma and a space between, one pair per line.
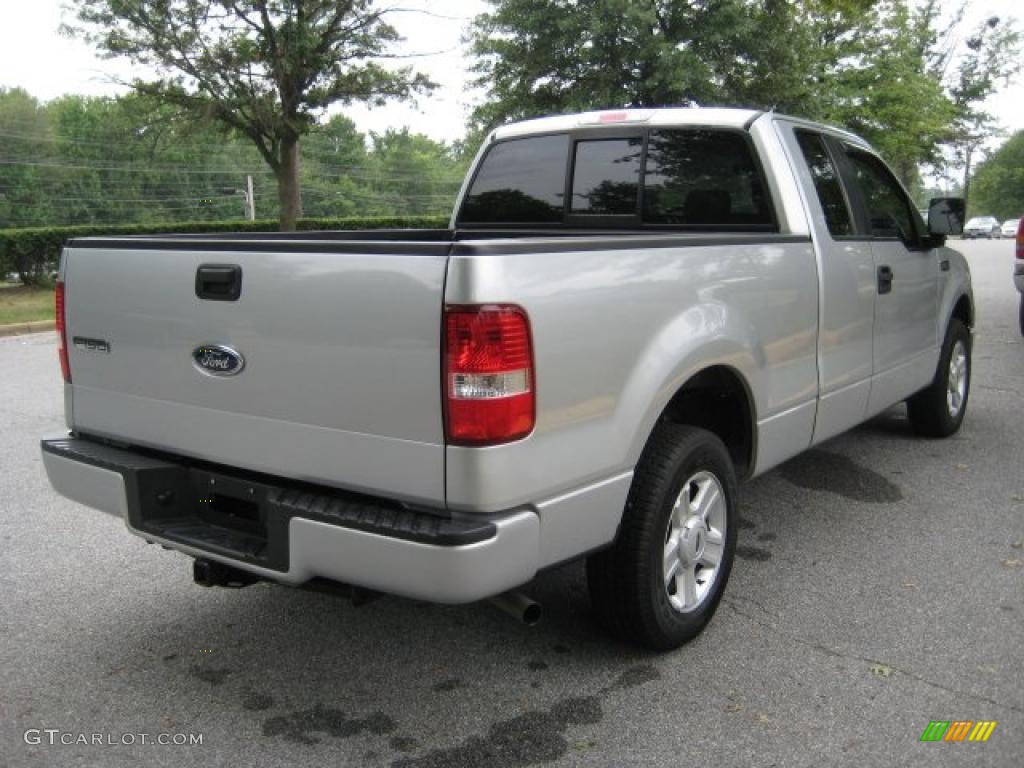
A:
606, 177
702, 179
519, 182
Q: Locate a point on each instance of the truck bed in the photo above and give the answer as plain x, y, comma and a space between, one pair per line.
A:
340, 334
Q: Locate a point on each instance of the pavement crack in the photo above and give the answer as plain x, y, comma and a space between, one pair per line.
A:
834, 653
747, 599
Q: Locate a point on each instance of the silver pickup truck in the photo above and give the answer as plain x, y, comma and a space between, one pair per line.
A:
630, 312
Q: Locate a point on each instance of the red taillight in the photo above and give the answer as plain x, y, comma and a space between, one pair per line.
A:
62, 332
488, 375
1020, 238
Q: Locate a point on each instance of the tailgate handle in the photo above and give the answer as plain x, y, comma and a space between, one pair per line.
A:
219, 282
885, 276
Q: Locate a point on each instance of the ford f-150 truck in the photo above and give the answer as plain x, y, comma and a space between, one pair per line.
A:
630, 312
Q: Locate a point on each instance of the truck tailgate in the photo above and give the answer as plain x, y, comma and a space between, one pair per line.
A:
341, 348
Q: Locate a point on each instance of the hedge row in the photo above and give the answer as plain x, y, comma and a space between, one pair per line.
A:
34, 253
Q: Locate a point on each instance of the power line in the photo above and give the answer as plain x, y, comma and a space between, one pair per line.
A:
317, 143
319, 132
182, 188
371, 196
197, 198
314, 140
365, 175
314, 147
126, 169
197, 194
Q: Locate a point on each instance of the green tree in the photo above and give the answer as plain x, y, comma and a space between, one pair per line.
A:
335, 167
131, 160
991, 59
878, 67
23, 123
543, 56
538, 57
885, 88
414, 174
998, 183
263, 68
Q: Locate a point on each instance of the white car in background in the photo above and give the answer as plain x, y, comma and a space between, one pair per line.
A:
1010, 227
982, 226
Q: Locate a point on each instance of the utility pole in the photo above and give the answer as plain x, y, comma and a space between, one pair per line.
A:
249, 199
967, 170
249, 211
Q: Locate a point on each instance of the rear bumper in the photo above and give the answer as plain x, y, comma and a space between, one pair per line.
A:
1018, 275
292, 533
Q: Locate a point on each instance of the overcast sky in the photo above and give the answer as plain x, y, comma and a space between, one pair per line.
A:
35, 57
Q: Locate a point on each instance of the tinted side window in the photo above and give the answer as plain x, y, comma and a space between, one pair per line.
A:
521, 182
606, 177
888, 207
826, 184
706, 179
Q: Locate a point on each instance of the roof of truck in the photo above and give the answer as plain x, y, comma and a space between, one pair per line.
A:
726, 118
655, 116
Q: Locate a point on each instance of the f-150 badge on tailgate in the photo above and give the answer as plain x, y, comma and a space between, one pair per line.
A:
217, 360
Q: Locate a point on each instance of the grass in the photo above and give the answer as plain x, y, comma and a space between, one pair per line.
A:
22, 304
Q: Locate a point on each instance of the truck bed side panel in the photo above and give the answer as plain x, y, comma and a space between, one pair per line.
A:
618, 329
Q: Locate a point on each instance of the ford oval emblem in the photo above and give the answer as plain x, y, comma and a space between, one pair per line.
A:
217, 360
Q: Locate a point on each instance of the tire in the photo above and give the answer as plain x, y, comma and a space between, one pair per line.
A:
938, 410
1021, 318
629, 591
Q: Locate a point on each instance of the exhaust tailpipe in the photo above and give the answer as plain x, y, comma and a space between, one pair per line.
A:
518, 606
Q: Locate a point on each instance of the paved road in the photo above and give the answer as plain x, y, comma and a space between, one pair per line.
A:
879, 586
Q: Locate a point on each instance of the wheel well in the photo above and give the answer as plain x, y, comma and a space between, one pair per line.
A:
964, 312
716, 399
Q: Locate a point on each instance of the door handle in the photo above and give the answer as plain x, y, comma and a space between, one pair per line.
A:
219, 282
885, 276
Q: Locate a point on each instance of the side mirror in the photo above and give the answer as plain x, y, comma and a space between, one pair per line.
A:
946, 216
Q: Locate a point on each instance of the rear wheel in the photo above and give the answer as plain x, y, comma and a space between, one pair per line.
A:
938, 410
1021, 318
661, 581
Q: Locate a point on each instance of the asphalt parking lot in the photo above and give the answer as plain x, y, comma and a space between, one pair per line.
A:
879, 586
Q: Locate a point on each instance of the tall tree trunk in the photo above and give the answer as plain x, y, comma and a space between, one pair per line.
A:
289, 194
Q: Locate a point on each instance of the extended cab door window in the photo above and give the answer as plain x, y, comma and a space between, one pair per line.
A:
521, 181
826, 184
